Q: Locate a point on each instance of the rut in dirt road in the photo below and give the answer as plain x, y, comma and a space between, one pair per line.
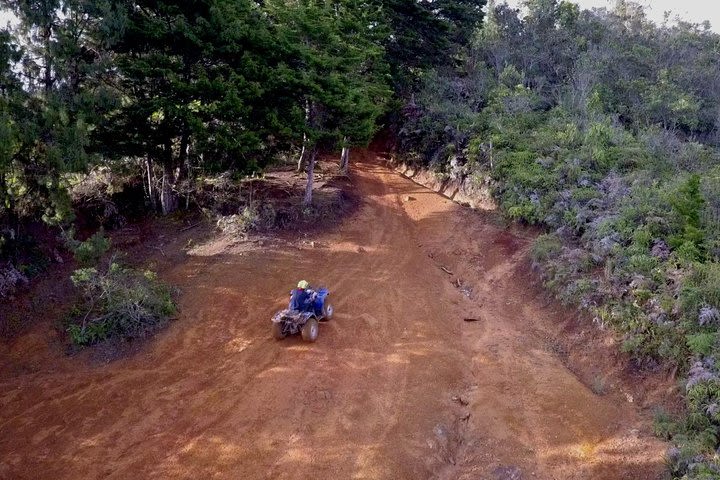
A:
396, 387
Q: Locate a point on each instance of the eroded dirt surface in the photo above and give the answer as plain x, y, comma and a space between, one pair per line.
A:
397, 386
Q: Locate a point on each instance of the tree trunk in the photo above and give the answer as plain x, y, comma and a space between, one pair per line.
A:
491, 155
307, 201
152, 194
303, 152
183, 161
168, 195
301, 160
47, 37
13, 219
184, 167
345, 159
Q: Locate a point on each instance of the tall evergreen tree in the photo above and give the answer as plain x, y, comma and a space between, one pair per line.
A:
336, 71
9, 92
191, 74
426, 34
53, 112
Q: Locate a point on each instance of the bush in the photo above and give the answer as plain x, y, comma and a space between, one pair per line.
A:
701, 343
688, 206
118, 301
700, 289
663, 425
90, 251
10, 279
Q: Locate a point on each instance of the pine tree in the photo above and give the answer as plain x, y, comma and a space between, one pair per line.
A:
336, 72
52, 113
192, 77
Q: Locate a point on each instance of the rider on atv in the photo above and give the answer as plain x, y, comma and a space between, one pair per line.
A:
307, 308
301, 298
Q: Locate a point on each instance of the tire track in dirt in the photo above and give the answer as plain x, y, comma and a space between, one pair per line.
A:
396, 387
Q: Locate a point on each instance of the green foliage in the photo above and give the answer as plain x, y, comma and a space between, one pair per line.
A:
336, 68
425, 35
687, 205
701, 287
192, 87
663, 425
701, 344
89, 252
118, 302
45, 120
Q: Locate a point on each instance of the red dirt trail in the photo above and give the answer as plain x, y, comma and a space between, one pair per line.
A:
397, 386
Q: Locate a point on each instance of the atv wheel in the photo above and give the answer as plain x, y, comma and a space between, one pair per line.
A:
277, 332
327, 311
310, 330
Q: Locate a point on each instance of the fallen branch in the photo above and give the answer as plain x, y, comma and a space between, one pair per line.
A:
189, 227
446, 270
471, 319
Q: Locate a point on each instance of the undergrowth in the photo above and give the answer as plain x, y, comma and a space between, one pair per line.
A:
630, 238
117, 301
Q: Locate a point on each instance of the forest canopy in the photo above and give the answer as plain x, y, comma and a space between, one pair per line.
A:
200, 86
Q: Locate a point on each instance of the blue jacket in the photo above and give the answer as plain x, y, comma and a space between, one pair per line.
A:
301, 300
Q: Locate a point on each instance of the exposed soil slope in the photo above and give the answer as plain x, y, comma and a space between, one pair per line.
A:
397, 386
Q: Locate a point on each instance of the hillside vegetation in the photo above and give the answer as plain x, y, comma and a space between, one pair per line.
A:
603, 128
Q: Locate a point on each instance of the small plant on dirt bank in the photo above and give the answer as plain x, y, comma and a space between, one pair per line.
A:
90, 251
599, 385
10, 278
118, 301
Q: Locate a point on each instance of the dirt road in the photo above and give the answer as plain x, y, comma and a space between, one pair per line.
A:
397, 386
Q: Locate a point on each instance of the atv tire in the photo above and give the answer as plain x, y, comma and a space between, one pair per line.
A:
327, 312
277, 332
311, 330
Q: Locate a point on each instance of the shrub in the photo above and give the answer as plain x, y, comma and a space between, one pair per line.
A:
688, 206
701, 288
10, 278
663, 425
90, 251
701, 343
599, 385
118, 301
546, 247
709, 316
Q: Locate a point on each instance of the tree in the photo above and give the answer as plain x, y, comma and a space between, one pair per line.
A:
336, 72
192, 75
53, 106
426, 34
10, 89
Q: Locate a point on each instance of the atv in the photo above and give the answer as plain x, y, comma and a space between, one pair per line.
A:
289, 322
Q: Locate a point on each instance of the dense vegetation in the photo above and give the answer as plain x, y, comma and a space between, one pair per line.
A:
178, 89
603, 128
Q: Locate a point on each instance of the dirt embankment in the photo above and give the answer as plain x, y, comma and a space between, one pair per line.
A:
398, 385
460, 186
